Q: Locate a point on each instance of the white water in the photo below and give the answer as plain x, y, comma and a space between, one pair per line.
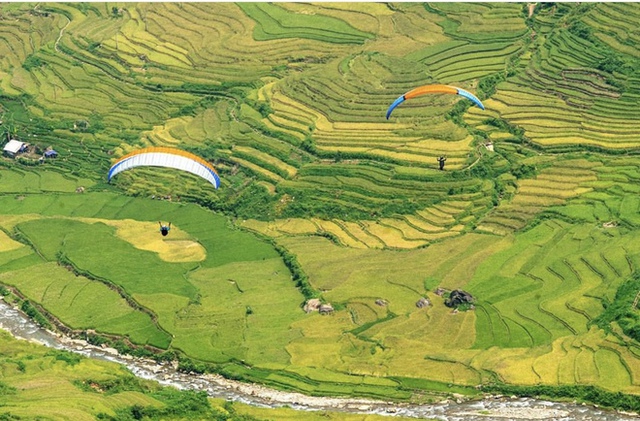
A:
490, 409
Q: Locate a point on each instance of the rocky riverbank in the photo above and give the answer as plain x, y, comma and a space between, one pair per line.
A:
492, 408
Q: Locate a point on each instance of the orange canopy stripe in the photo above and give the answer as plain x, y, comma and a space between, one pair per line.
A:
431, 89
166, 149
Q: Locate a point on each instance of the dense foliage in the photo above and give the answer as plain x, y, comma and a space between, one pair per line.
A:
623, 310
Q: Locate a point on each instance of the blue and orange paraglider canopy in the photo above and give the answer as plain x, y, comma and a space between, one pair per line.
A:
434, 89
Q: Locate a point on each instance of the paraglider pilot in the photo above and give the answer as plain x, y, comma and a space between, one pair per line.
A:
164, 229
441, 162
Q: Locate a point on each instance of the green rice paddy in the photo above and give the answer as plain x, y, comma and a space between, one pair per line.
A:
40, 383
535, 214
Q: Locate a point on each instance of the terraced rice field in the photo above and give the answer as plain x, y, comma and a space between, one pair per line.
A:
553, 186
535, 213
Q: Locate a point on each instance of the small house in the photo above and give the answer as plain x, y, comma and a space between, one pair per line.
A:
50, 154
14, 147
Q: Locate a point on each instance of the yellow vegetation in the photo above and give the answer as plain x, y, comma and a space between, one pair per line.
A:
361, 235
335, 229
145, 235
7, 244
291, 170
161, 135
296, 226
392, 236
247, 164
9, 221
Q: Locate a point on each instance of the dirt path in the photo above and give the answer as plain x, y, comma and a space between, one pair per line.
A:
61, 33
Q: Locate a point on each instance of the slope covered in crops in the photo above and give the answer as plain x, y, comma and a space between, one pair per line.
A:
535, 213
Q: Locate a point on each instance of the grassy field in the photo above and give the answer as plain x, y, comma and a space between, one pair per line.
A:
33, 373
68, 386
212, 292
535, 213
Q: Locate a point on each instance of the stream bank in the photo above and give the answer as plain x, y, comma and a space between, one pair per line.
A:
492, 408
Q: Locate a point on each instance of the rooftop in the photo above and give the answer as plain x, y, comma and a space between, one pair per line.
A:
13, 146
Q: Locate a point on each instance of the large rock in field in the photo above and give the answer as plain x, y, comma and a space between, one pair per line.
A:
422, 302
458, 297
326, 309
312, 305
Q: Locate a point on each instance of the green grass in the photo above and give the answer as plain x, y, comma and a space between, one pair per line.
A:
203, 291
275, 22
558, 285
42, 383
82, 304
286, 414
292, 97
50, 377
77, 241
222, 319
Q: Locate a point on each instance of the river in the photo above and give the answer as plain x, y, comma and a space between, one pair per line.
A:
489, 409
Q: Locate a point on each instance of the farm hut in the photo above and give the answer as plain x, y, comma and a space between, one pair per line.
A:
50, 153
14, 147
326, 309
422, 302
381, 302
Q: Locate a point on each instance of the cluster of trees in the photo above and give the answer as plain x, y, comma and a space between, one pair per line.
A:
622, 310
611, 61
502, 124
68, 357
31, 311
177, 404
187, 405
298, 275
254, 201
32, 62
5, 389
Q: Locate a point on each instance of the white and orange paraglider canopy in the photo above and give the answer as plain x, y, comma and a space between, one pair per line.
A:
160, 156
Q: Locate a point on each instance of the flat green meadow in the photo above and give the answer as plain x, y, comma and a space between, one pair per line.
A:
238, 271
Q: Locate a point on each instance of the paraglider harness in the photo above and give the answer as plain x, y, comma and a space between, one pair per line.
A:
164, 229
441, 162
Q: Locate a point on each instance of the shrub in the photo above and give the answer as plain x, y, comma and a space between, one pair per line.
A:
524, 171
34, 314
32, 62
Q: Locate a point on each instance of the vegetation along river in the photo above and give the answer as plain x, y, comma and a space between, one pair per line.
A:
489, 409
